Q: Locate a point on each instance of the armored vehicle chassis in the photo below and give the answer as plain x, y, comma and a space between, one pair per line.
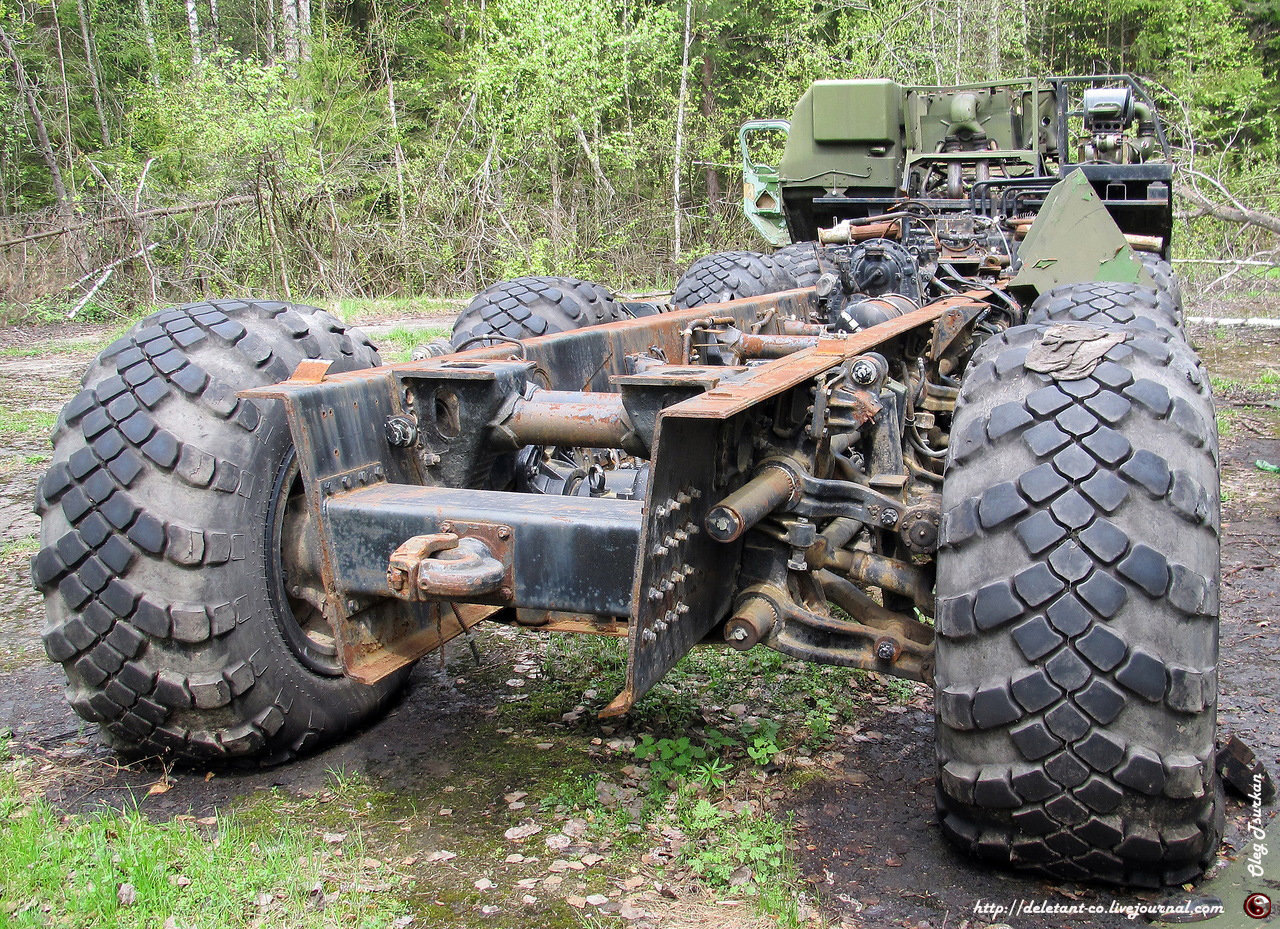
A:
974, 451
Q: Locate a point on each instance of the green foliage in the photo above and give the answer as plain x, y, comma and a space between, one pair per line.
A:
728, 845
26, 421
435, 148
670, 759
119, 869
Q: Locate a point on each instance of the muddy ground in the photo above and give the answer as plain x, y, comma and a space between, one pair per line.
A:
467, 733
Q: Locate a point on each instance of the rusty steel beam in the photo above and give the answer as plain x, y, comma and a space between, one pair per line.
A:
726, 400
569, 418
773, 486
889, 574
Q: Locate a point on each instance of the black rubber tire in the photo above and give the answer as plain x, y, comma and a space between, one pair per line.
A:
532, 306
1077, 609
1130, 305
156, 561
730, 276
1166, 278
800, 260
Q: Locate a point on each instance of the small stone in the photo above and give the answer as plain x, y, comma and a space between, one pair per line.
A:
515, 795
527, 883
483, 884
597, 899
544, 746
575, 902
528, 900
442, 856
592, 859
126, 894
522, 831
631, 912
514, 859
334, 838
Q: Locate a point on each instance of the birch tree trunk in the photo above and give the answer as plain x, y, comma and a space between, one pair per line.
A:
91, 62
678, 157
68, 145
193, 26
149, 33
271, 31
384, 59
289, 26
304, 30
714, 194
37, 121
214, 23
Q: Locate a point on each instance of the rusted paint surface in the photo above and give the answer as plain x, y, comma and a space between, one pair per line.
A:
726, 400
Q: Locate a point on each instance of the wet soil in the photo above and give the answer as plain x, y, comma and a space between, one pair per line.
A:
867, 843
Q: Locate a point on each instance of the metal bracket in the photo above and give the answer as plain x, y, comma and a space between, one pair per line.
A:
460, 563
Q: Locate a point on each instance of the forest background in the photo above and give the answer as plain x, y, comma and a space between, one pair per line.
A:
159, 150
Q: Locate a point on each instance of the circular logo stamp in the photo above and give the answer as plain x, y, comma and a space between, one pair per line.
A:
1257, 906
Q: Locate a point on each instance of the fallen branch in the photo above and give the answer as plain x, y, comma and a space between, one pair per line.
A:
1226, 261
1238, 213
114, 264
105, 271
106, 275
144, 214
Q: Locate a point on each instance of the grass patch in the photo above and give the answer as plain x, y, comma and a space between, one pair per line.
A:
399, 343
11, 464
26, 422
20, 548
119, 869
356, 310
55, 347
693, 761
1226, 422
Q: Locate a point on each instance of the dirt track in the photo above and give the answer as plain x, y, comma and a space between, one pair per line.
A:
867, 842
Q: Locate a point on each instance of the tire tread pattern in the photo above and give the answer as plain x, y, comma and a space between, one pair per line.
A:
731, 276
1074, 737
527, 307
800, 260
157, 673
1129, 305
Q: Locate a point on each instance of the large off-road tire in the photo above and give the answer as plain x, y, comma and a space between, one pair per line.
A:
532, 306
800, 260
1129, 305
1077, 615
162, 517
730, 276
1165, 277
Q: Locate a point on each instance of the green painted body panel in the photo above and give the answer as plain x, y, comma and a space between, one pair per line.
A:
1074, 240
761, 188
861, 151
856, 111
